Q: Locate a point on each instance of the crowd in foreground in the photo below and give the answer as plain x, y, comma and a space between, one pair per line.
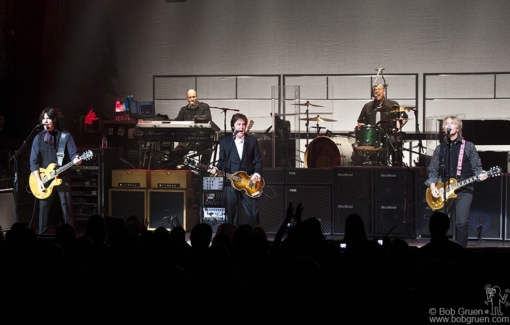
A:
118, 272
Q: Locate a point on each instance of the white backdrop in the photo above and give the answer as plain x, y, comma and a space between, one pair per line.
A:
97, 50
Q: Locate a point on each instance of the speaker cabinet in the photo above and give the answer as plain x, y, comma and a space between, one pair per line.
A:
395, 201
127, 202
130, 178
7, 209
272, 201
487, 209
304, 176
343, 210
169, 208
272, 208
316, 200
352, 195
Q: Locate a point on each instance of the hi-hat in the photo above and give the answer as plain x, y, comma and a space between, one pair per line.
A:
308, 104
318, 119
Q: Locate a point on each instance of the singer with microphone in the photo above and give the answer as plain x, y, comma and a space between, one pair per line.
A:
380, 104
53, 146
455, 158
239, 153
194, 109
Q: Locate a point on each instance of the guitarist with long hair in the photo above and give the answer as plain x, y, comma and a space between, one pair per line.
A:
53, 146
240, 153
457, 159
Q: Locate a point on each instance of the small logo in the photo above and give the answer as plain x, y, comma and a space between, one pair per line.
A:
496, 299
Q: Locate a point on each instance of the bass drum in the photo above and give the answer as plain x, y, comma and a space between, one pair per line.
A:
325, 152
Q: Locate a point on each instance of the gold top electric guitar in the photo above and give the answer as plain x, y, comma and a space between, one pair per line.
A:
451, 187
239, 180
49, 176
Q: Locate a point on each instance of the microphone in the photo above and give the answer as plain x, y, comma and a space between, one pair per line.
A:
42, 124
236, 132
448, 130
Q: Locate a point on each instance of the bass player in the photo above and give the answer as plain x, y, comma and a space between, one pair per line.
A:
53, 146
240, 153
455, 158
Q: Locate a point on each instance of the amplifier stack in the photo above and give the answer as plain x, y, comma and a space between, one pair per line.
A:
160, 197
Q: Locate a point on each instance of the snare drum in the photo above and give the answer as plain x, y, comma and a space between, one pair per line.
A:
368, 137
325, 152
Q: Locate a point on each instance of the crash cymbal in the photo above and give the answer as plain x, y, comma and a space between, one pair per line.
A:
308, 104
398, 119
318, 119
403, 109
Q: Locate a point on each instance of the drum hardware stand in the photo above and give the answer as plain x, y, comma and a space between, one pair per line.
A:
307, 104
404, 219
318, 128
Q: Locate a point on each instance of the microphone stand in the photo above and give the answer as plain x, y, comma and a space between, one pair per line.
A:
224, 111
224, 171
15, 158
447, 170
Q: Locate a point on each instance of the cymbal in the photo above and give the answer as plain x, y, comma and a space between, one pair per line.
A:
395, 109
403, 109
318, 119
398, 119
308, 104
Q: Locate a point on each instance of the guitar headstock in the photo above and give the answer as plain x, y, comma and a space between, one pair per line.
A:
250, 125
87, 155
494, 171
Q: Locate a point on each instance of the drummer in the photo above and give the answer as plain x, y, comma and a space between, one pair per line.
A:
380, 104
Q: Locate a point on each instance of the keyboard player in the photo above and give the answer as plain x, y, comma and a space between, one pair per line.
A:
192, 111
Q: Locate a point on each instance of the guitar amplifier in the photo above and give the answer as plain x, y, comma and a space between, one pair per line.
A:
170, 179
130, 178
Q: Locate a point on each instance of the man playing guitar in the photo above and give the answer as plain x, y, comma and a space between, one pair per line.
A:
53, 146
240, 153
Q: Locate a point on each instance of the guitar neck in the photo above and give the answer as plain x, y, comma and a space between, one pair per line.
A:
64, 168
464, 182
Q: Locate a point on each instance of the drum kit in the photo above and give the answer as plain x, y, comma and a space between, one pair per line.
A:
368, 145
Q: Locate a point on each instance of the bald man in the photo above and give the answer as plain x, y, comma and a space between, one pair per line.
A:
194, 108
190, 112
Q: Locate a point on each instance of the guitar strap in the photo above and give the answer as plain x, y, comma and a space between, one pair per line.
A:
64, 136
461, 155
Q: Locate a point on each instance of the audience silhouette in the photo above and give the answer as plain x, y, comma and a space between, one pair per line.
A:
158, 276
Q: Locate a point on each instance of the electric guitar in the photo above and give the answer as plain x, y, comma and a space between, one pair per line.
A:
451, 187
239, 180
49, 176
